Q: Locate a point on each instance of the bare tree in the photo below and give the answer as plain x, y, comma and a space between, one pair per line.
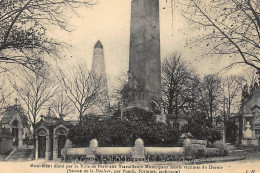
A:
61, 105
23, 27
35, 90
231, 28
232, 93
82, 88
117, 96
176, 80
210, 93
249, 77
5, 95
194, 104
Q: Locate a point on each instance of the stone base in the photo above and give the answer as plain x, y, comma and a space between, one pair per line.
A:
48, 155
20, 143
55, 155
158, 117
250, 142
136, 105
36, 155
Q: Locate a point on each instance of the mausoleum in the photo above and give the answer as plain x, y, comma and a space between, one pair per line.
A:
250, 114
51, 134
14, 120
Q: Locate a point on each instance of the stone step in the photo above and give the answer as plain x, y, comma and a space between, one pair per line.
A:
2, 157
250, 149
20, 155
231, 147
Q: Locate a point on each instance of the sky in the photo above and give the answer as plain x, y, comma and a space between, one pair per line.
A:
109, 22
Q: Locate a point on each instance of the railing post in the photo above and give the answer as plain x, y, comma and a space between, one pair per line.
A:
91, 151
138, 150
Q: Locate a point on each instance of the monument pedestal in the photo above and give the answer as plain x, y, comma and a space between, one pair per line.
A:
250, 142
249, 137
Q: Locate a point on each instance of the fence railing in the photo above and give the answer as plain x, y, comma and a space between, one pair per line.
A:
139, 152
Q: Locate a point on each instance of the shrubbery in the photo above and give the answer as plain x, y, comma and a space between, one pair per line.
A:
231, 132
201, 128
136, 123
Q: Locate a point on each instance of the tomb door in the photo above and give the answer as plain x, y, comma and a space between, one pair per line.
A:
61, 144
42, 146
15, 136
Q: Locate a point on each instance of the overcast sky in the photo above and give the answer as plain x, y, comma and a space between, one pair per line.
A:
109, 22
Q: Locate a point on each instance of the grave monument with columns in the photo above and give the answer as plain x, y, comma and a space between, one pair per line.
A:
250, 115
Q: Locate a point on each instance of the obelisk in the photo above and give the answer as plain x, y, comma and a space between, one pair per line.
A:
99, 70
144, 59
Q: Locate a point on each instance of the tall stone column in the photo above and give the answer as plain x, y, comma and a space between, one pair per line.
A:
55, 146
36, 148
144, 58
224, 136
253, 128
48, 149
99, 70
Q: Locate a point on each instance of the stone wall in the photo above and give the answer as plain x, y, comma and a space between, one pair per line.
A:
5, 144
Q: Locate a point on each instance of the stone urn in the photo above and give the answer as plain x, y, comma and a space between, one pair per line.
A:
68, 144
186, 142
248, 133
138, 151
93, 143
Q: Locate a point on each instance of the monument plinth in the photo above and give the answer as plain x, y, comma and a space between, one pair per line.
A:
248, 132
248, 139
144, 75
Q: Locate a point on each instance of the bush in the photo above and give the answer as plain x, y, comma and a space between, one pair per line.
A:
201, 128
137, 123
231, 132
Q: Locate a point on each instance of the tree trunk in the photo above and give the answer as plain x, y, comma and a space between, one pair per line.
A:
211, 110
176, 111
80, 117
170, 107
34, 140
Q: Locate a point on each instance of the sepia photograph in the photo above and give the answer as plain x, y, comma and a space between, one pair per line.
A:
129, 86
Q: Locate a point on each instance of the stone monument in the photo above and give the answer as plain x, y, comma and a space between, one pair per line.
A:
248, 139
248, 132
144, 75
99, 70
250, 112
